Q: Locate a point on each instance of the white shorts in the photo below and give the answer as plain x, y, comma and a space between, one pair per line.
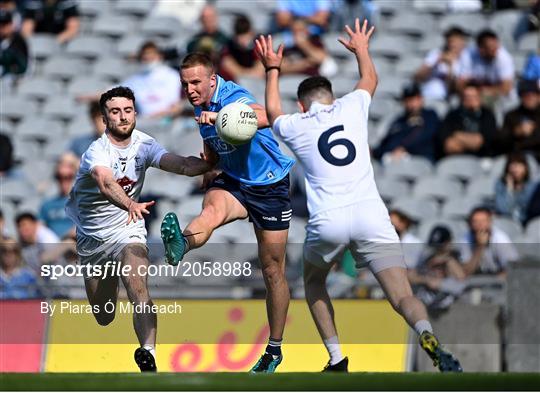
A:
363, 228
96, 251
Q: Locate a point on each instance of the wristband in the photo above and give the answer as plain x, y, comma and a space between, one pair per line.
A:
273, 68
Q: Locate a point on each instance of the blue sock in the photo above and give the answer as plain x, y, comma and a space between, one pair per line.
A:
274, 347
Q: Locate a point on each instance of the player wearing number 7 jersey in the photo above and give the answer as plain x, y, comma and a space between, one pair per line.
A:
329, 138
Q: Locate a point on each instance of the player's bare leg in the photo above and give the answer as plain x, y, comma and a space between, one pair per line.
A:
271, 246
322, 311
398, 290
219, 208
100, 291
144, 319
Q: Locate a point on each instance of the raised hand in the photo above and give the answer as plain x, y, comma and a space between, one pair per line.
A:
359, 38
136, 210
265, 52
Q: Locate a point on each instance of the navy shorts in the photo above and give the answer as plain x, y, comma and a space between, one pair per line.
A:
268, 206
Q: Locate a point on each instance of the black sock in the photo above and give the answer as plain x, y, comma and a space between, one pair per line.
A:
274, 347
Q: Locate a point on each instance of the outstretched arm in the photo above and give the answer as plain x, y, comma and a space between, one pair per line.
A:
189, 166
358, 44
272, 64
117, 196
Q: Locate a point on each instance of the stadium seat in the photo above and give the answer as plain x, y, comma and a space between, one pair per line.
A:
509, 226
43, 46
529, 42
17, 107
463, 168
410, 170
392, 7
382, 107
418, 209
441, 107
482, 188
254, 85
63, 108
437, 188
288, 85
40, 88
504, 23
499, 163
139, 8
129, 45
87, 85
390, 45
349, 66
112, 68
391, 188
459, 208
160, 26
430, 6
333, 46
89, 47
471, 22
533, 230
30, 204
94, 8
408, 65
342, 85
429, 42
65, 68
391, 86
115, 26
16, 191
25, 150
79, 126
413, 23
40, 129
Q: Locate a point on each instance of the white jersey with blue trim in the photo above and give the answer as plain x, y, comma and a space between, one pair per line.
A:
258, 162
331, 143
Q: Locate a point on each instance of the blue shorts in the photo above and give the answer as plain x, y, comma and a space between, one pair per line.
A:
268, 206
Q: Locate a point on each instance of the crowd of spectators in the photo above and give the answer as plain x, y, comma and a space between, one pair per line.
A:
494, 109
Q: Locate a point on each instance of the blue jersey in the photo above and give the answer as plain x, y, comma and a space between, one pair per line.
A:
257, 162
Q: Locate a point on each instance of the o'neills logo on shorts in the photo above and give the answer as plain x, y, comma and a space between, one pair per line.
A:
269, 218
248, 115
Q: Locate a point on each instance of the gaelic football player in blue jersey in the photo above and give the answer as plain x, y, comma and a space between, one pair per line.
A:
254, 183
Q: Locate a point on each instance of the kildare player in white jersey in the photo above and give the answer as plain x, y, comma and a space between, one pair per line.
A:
329, 138
110, 226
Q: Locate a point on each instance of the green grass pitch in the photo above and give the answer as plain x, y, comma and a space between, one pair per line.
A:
278, 381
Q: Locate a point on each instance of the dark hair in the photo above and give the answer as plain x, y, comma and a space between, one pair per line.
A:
1, 216
479, 209
118, 91
516, 157
94, 109
484, 35
439, 235
242, 24
25, 216
311, 85
148, 45
402, 216
195, 59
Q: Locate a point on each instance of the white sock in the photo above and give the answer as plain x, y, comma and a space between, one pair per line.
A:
334, 350
150, 349
423, 325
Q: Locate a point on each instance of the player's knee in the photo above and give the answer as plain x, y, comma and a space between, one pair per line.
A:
136, 250
399, 303
273, 273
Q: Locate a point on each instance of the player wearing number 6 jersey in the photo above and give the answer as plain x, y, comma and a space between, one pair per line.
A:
345, 209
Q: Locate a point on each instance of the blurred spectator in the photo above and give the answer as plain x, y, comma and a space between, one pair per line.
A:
156, 85
239, 58
490, 66
438, 273
6, 156
413, 132
521, 127
11, 7
16, 280
441, 65
59, 17
410, 243
316, 14
35, 239
486, 249
14, 53
532, 68
304, 52
470, 128
530, 20
52, 211
80, 144
210, 39
513, 191
344, 12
